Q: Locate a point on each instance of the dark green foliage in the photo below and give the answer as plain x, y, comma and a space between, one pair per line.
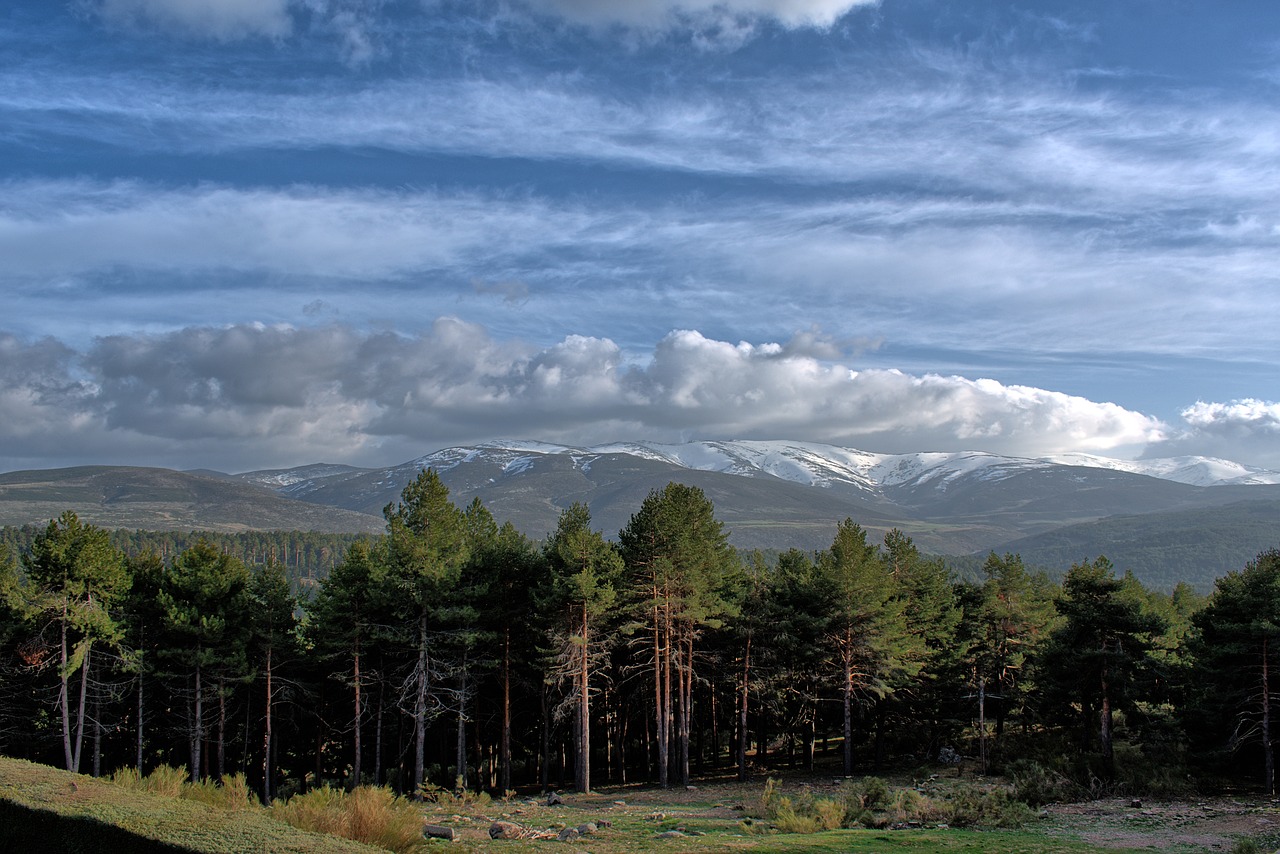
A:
1097, 657
454, 651
1235, 657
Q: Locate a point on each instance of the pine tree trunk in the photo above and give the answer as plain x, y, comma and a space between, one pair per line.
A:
1268, 753
744, 696
504, 746
584, 710
684, 673
357, 678
80, 714
222, 729
196, 725
544, 777
377, 737
64, 692
460, 757
140, 723
662, 697
266, 737
420, 709
848, 714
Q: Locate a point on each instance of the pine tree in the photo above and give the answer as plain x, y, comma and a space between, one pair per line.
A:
342, 623
273, 645
80, 576
426, 551
1096, 654
865, 633
584, 570
1006, 621
677, 560
206, 633
1235, 645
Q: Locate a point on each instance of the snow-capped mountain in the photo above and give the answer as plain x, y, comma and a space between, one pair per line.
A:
815, 464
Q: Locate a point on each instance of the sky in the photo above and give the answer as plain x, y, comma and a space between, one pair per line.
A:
246, 234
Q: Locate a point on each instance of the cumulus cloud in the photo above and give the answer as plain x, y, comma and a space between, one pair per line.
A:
218, 19
1246, 430
257, 395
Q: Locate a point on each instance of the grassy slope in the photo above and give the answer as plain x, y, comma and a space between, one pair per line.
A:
33, 795
46, 810
643, 813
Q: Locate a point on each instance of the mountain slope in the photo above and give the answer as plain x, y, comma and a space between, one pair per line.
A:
164, 500
778, 494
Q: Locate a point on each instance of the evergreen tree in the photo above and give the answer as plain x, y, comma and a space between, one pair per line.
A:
144, 622
1007, 619
866, 635
677, 560
584, 570
273, 644
205, 602
1234, 647
934, 650
80, 577
343, 621
426, 551
1096, 655
513, 569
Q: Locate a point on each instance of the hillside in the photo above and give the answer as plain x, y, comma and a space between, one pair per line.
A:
1162, 549
164, 500
43, 810
1168, 520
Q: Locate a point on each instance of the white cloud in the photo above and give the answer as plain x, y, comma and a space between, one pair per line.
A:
336, 394
791, 13
217, 19
1245, 431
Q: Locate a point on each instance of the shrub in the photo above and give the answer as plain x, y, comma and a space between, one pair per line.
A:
830, 814
166, 780
231, 794
973, 807
371, 815
1035, 784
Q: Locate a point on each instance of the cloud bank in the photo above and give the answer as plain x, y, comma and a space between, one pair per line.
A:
197, 396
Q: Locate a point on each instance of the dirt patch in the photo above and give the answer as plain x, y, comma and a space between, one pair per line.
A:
1213, 824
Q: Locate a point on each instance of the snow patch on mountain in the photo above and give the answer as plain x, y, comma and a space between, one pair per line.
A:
1196, 471
826, 466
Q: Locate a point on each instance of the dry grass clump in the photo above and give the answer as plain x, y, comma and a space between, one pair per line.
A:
231, 794
373, 815
872, 803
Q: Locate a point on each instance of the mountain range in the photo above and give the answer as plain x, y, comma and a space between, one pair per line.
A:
1187, 518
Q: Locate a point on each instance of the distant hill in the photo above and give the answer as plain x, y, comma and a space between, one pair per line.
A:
1168, 520
781, 494
1162, 549
164, 500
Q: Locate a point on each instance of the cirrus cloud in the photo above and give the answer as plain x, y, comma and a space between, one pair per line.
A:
219, 19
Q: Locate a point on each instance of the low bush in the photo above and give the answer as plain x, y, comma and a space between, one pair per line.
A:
372, 815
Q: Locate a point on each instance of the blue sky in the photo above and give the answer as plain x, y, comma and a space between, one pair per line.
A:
257, 233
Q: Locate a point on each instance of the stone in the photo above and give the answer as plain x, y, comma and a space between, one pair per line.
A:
569, 834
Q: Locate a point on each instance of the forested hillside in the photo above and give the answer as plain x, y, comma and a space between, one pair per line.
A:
306, 556
454, 651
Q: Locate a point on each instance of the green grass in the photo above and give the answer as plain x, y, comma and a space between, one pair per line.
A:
43, 809
46, 810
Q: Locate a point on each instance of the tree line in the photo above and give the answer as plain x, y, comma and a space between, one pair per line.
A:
455, 652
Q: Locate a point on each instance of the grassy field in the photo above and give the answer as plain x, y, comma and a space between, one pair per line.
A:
43, 809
